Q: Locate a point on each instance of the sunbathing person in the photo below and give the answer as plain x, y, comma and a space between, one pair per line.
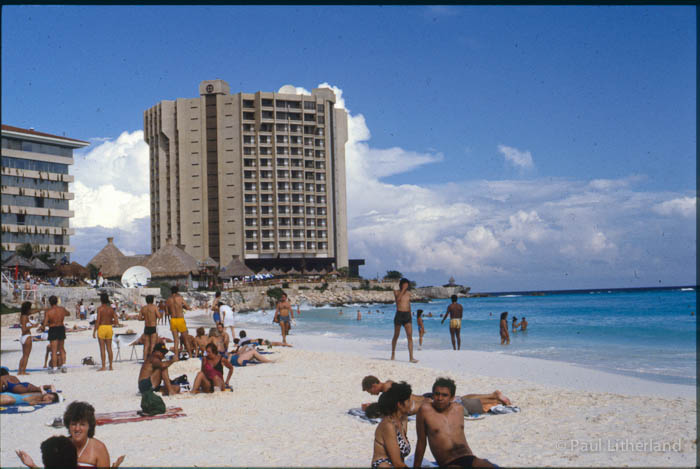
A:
245, 340
12, 384
391, 445
241, 356
154, 371
211, 375
372, 385
8, 398
79, 419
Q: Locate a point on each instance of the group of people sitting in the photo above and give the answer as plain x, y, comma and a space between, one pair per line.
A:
80, 448
439, 421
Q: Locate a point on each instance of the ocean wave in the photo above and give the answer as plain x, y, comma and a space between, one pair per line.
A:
510, 296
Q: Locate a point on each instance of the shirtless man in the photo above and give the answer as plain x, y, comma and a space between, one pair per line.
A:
106, 318
53, 319
223, 340
455, 312
154, 370
442, 422
215, 314
403, 318
283, 315
150, 315
372, 385
523, 324
174, 306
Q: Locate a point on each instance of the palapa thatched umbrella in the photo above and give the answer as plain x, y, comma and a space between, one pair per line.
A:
17, 261
312, 272
293, 271
38, 264
72, 270
171, 261
264, 271
110, 260
276, 271
235, 268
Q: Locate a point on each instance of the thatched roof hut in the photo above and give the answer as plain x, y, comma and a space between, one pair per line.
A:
17, 260
110, 260
293, 271
208, 263
235, 268
38, 264
171, 261
276, 271
72, 270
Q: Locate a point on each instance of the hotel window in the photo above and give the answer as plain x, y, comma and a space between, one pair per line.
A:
267, 102
248, 103
281, 104
320, 108
249, 116
309, 105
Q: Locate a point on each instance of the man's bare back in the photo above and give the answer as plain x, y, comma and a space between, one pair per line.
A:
106, 316
55, 316
455, 310
175, 304
150, 315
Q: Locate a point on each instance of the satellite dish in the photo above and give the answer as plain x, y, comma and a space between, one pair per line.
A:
136, 276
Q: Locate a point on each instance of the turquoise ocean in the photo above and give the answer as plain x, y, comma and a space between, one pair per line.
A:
647, 333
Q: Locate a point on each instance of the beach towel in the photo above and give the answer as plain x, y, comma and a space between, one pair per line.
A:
359, 413
504, 409
35, 370
135, 416
16, 409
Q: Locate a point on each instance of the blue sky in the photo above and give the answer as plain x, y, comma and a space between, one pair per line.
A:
515, 148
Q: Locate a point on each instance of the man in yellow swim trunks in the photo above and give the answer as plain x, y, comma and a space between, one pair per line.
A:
174, 306
455, 312
106, 317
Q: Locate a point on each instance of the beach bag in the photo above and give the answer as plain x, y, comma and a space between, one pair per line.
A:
152, 404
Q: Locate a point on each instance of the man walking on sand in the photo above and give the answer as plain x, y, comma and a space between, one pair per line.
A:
442, 423
150, 315
53, 320
403, 318
283, 316
174, 306
106, 318
455, 312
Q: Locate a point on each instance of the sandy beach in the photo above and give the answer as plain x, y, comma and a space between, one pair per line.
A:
294, 412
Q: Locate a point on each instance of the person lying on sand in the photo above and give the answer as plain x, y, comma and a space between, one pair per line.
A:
211, 375
372, 385
8, 398
154, 371
241, 358
244, 341
12, 384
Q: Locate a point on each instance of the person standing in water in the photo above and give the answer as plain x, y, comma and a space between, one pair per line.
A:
403, 318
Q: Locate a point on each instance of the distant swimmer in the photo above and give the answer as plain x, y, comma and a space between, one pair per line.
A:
515, 324
523, 324
340, 313
455, 311
503, 329
359, 315
403, 318
421, 328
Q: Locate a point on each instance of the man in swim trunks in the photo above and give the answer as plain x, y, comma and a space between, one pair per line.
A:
441, 421
53, 320
174, 306
150, 315
455, 312
216, 314
523, 324
154, 370
106, 318
283, 315
403, 318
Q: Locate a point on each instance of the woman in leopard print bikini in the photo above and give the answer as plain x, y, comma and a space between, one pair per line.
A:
391, 446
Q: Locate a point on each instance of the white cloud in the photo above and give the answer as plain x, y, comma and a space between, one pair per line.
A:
520, 159
684, 206
112, 182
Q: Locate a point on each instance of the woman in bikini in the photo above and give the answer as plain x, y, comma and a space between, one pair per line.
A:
79, 419
212, 372
14, 385
391, 444
26, 339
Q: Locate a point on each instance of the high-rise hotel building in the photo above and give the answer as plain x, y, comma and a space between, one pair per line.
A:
35, 191
255, 175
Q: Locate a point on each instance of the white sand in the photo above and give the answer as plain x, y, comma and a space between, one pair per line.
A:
293, 412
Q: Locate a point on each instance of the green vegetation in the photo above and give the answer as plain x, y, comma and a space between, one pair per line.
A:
4, 309
25, 250
164, 288
275, 293
94, 270
322, 288
393, 275
344, 272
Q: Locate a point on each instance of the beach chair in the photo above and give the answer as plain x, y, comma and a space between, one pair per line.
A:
125, 340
